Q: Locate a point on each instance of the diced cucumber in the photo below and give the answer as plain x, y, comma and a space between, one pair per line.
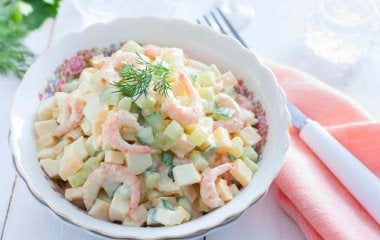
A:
231, 157
69, 87
231, 92
250, 164
223, 113
151, 178
138, 163
132, 46
165, 204
213, 69
206, 79
167, 158
162, 142
250, 153
155, 121
199, 160
185, 203
209, 150
110, 96
150, 218
125, 103
174, 130
89, 166
110, 188
135, 108
145, 135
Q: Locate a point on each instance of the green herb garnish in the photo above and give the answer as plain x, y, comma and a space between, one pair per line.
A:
136, 81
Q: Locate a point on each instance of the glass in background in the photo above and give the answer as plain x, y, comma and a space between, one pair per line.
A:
341, 31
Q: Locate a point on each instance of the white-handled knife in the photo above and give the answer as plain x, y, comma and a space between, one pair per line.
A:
359, 180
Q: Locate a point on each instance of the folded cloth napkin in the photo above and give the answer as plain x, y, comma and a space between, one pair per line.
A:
307, 190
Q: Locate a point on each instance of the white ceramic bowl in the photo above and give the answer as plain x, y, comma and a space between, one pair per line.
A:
200, 43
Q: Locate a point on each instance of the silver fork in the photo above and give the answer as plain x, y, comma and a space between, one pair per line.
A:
361, 182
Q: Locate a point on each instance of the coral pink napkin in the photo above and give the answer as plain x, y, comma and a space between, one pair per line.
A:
307, 190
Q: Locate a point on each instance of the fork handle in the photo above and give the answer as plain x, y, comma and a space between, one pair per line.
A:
359, 180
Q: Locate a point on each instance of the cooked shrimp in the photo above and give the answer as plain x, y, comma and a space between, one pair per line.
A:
184, 114
209, 194
111, 132
75, 133
245, 102
224, 100
108, 173
76, 105
233, 125
120, 57
152, 51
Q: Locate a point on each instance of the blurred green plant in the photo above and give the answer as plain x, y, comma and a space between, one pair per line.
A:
17, 18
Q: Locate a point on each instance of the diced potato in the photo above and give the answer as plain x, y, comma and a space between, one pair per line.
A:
241, 172
206, 79
171, 200
250, 153
45, 110
234, 190
223, 190
250, 164
169, 218
237, 147
51, 167
132, 46
91, 108
91, 146
199, 160
46, 141
228, 79
138, 163
63, 107
167, 186
73, 194
202, 207
154, 194
100, 210
190, 193
151, 179
146, 102
85, 125
125, 103
198, 136
185, 175
174, 130
174, 57
182, 146
222, 139
250, 136
139, 215
206, 93
46, 153
61, 145
120, 205
46, 127
73, 157
114, 157
210, 141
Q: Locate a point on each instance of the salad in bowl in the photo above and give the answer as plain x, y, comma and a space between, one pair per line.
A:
149, 128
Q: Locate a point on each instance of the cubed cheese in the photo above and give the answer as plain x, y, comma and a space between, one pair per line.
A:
138, 163
61, 145
241, 172
63, 107
91, 108
132, 46
206, 93
185, 175
250, 136
72, 159
46, 127
190, 193
234, 190
173, 130
223, 190
222, 139
169, 217
114, 157
250, 153
73, 194
206, 79
139, 215
51, 167
125, 103
228, 79
46, 153
198, 136
100, 210
182, 146
250, 164
174, 57
199, 160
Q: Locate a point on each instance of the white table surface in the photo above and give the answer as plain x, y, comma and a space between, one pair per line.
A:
23, 217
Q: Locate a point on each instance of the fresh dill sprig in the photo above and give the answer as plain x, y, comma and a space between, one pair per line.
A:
136, 81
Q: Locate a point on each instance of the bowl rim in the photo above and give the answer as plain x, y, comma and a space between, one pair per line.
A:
285, 119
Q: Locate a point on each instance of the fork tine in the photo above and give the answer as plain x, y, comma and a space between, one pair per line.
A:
232, 28
217, 22
207, 21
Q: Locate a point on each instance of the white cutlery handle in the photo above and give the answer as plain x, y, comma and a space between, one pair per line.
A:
361, 182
